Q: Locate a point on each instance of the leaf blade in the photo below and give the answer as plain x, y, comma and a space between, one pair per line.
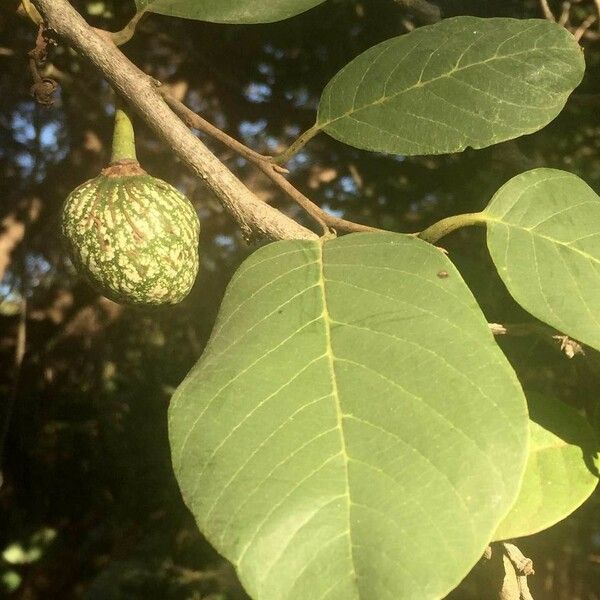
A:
229, 11
444, 87
557, 479
318, 457
543, 233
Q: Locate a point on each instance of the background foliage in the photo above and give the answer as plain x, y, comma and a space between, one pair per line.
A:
89, 507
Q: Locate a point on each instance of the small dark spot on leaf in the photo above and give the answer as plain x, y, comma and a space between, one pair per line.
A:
442, 274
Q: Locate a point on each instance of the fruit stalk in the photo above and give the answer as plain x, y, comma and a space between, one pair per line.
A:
123, 143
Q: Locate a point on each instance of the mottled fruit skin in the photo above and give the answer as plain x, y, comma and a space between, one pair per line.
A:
132, 236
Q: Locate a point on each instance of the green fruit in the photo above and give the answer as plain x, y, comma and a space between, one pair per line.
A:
132, 236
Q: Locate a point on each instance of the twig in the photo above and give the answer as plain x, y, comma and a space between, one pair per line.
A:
255, 218
580, 31
563, 20
523, 568
424, 10
43, 88
522, 564
124, 35
565, 14
546, 10
273, 171
195, 121
297, 145
516, 568
30, 11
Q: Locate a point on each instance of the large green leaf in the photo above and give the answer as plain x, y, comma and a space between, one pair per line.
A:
352, 429
461, 82
229, 11
560, 474
544, 238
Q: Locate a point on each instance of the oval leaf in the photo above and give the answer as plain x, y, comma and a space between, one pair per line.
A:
558, 477
543, 232
352, 429
461, 82
229, 11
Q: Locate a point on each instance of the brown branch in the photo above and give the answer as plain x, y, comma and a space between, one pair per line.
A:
43, 88
578, 32
255, 218
585, 25
513, 569
195, 121
523, 567
565, 15
273, 171
423, 10
546, 10
29, 11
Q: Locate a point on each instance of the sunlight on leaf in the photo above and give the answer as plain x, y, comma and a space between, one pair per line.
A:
543, 233
560, 473
462, 82
352, 429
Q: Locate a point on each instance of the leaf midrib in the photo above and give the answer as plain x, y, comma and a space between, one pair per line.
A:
422, 84
567, 245
327, 321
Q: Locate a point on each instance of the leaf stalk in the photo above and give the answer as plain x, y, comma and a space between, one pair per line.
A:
286, 155
123, 143
442, 228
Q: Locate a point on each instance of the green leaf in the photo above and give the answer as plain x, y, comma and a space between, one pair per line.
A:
229, 11
461, 82
352, 429
558, 477
543, 232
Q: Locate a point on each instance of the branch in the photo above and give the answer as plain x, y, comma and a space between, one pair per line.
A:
30, 11
255, 218
580, 31
565, 15
523, 567
424, 10
512, 567
546, 10
273, 171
